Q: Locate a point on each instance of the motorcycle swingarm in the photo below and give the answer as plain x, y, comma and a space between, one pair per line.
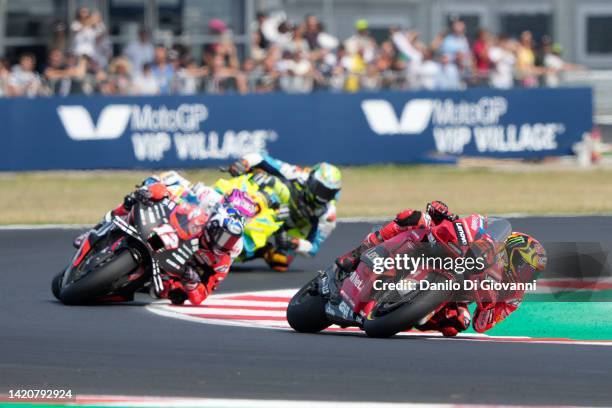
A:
342, 315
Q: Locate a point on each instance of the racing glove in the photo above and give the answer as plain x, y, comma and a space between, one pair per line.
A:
140, 195
438, 211
488, 315
174, 291
450, 320
145, 195
238, 168
284, 241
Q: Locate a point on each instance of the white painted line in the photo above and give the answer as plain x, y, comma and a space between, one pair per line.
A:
229, 312
34, 227
134, 401
342, 220
245, 303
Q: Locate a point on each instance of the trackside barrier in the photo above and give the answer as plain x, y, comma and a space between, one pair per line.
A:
363, 128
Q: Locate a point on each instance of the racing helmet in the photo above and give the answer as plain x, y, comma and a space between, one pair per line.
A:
322, 186
223, 231
525, 256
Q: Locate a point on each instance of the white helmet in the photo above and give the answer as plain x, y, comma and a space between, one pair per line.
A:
223, 231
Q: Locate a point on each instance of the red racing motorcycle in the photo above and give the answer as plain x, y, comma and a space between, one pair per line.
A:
122, 256
400, 295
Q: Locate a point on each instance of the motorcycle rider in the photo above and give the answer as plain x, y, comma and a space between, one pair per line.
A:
271, 198
523, 257
312, 210
435, 213
220, 241
220, 244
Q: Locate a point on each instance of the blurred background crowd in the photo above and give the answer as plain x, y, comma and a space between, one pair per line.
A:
288, 56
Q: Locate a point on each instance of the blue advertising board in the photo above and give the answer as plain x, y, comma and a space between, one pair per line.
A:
362, 128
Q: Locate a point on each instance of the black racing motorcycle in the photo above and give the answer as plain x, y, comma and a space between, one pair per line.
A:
123, 255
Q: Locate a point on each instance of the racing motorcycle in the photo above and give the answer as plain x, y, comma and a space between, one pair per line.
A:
355, 299
270, 197
120, 257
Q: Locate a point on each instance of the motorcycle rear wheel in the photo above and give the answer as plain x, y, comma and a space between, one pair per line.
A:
306, 310
99, 281
409, 314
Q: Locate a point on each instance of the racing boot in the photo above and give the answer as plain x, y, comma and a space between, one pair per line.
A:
348, 262
278, 260
177, 293
173, 291
78, 241
197, 294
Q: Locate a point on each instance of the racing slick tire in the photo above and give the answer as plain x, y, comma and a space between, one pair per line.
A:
306, 310
99, 281
56, 285
407, 315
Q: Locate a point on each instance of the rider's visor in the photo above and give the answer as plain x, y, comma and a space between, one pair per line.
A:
321, 193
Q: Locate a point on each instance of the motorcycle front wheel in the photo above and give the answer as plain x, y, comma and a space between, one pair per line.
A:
306, 310
99, 280
56, 285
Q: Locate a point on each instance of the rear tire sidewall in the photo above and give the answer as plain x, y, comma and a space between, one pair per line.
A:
408, 315
306, 312
56, 285
98, 283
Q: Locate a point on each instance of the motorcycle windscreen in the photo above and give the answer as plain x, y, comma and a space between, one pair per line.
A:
499, 229
148, 217
492, 249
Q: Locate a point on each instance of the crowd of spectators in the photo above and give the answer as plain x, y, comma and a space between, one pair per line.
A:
282, 56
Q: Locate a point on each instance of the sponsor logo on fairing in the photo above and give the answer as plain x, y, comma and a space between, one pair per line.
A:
156, 131
457, 124
356, 280
461, 233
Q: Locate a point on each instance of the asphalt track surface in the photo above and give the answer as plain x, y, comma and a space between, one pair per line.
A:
124, 349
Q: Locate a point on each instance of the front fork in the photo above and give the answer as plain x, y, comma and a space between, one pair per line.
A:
336, 309
156, 278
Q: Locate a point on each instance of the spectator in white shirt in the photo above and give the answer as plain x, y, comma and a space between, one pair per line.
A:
406, 43
23, 80
85, 30
144, 82
555, 65
503, 59
296, 73
428, 72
